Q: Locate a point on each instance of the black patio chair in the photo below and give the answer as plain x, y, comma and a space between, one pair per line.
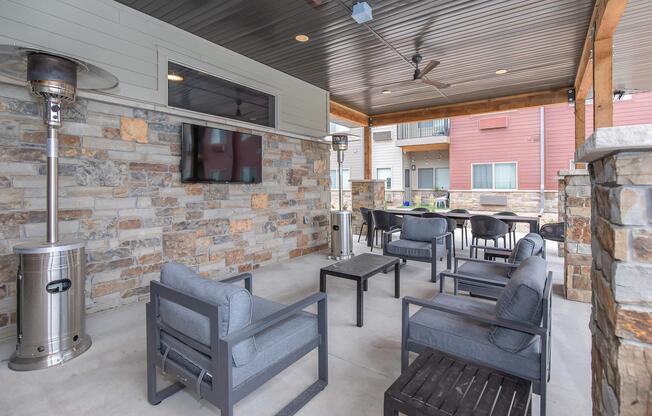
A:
486, 227
511, 225
366, 221
383, 222
420, 209
462, 225
553, 232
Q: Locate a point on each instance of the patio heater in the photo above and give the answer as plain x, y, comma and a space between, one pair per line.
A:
341, 237
51, 274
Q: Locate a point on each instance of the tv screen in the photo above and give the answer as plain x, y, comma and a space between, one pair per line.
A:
216, 155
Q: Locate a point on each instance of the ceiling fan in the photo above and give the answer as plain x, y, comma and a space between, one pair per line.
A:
419, 76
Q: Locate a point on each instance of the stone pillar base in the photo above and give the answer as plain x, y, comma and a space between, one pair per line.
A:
621, 324
366, 194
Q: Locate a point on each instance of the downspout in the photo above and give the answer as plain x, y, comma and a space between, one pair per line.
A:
542, 158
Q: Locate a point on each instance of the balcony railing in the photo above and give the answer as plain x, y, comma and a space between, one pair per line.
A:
429, 128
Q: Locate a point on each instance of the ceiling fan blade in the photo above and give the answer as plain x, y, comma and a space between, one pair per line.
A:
397, 85
431, 65
437, 84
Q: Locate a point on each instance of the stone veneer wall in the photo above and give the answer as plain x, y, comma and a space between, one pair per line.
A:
577, 235
621, 322
335, 200
365, 194
120, 191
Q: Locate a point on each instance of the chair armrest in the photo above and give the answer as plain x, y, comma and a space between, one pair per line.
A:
278, 316
500, 249
495, 263
247, 277
447, 234
477, 316
471, 279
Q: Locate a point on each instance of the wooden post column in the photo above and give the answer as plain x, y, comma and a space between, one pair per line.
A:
367, 152
602, 83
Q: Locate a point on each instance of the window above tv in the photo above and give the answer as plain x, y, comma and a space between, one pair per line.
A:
197, 91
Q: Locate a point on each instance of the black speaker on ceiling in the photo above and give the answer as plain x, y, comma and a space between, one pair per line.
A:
571, 95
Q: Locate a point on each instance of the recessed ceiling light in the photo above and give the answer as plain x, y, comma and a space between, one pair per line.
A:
302, 38
501, 72
174, 77
387, 92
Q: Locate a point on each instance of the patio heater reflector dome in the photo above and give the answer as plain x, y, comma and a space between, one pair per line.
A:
51, 274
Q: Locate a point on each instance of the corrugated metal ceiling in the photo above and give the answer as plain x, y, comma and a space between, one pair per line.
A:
538, 41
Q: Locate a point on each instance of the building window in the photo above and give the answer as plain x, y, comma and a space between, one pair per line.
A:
494, 175
442, 178
406, 179
346, 180
198, 91
425, 178
385, 174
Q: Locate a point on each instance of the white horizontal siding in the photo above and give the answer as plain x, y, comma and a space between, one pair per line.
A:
135, 48
385, 154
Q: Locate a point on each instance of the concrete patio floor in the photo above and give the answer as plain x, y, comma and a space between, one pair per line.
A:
109, 379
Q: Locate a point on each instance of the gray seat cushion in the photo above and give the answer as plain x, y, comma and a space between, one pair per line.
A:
274, 343
235, 309
495, 273
523, 249
521, 301
422, 229
414, 248
469, 339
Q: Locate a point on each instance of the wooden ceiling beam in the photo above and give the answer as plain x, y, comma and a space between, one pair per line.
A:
511, 102
603, 24
342, 112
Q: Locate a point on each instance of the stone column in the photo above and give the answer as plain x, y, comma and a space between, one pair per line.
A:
620, 163
366, 193
576, 195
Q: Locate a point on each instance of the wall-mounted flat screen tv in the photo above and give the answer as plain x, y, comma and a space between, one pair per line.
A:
216, 155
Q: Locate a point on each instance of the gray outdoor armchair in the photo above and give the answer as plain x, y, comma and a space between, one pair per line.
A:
421, 239
222, 342
511, 335
496, 272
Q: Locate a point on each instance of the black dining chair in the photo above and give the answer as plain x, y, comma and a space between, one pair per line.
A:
452, 225
486, 227
462, 225
511, 225
420, 209
366, 220
383, 222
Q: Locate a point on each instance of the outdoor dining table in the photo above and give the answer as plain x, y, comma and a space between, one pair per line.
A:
532, 221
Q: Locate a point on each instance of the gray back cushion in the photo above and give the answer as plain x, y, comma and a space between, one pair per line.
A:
530, 245
422, 229
538, 241
234, 303
521, 301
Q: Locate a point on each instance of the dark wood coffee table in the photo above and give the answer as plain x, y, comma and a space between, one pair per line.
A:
360, 268
437, 384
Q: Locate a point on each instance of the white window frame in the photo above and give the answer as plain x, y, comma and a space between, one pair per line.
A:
391, 177
493, 176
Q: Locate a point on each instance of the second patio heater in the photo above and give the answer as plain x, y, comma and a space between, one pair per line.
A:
341, 237
51, 274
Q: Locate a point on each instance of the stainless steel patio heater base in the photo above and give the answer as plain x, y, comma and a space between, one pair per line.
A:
341, 232
51, 275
